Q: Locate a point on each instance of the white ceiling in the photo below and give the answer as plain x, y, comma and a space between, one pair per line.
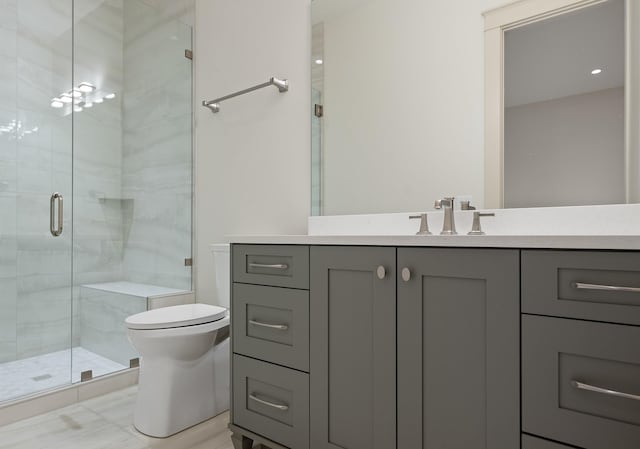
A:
554, 58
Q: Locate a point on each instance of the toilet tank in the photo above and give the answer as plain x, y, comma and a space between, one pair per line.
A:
221, 260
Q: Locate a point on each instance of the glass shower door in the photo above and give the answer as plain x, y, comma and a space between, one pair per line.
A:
132, 172
35, 163
95, 181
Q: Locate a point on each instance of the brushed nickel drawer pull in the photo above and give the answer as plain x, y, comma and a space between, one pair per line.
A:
280, 327
274, 266
613, 288
282, 407
587, 387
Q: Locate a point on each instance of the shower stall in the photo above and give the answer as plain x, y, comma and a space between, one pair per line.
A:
95, 181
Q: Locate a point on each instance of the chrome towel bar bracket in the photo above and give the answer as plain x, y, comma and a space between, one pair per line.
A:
214, 105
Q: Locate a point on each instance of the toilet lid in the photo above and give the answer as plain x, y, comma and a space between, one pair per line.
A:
176, 316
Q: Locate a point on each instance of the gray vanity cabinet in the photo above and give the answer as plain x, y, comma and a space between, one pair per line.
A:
458, 348
580, 348
352, 348
580, 382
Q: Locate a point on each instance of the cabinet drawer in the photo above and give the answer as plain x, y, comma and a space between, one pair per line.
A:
561, 358
276, 265
529, 442
599, 286
272, 324
271, 401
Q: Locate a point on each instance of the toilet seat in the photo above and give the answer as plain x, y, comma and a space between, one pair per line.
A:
176, 316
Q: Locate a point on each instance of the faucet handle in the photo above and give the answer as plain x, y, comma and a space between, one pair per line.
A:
424, 224
466, 205
437, 205
476, 229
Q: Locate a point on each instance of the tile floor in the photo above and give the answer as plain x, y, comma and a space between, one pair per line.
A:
105, 422
33, 374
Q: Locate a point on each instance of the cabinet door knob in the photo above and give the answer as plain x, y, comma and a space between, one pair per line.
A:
406, 274
381, 272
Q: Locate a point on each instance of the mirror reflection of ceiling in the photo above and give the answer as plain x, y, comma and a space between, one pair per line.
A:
322, 10
554, 58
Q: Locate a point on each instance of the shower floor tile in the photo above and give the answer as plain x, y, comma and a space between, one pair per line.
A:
43, 372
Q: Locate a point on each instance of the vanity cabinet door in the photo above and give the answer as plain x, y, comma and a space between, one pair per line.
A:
353, 348
458, 348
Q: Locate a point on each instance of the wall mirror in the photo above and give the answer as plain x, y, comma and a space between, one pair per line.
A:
401, 121
562, 98
403, 115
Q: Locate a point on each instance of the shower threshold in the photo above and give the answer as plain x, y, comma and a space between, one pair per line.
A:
44, 372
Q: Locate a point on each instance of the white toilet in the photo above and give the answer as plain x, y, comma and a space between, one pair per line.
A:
184, 366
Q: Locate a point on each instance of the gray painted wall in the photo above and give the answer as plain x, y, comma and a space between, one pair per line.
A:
566, 152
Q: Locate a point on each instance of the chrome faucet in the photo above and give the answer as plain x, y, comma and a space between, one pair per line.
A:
448, 224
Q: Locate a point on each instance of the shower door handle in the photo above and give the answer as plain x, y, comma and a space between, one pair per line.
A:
56, 230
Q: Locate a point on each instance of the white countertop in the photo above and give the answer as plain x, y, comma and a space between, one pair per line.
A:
576, 227
620, 242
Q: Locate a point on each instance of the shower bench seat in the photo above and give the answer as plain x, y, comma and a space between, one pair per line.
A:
103, 307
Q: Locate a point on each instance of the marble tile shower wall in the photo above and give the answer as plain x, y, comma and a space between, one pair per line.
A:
157, 142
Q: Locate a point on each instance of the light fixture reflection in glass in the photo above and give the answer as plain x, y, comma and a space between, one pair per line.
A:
84, 95
319, 61
86, 87
16, 130
596, 71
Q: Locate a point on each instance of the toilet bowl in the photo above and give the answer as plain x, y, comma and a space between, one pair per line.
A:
184, 366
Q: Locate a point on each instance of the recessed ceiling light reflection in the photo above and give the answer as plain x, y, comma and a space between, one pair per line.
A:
596, 71
66, 98
77, 109
88, 105
319, 61
56, 103
110, 96
76, 93
98, 100
86, 87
